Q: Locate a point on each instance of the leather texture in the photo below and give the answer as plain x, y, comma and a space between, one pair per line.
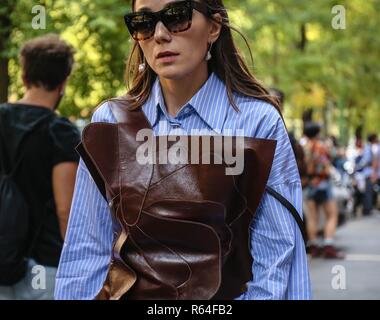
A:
181, 230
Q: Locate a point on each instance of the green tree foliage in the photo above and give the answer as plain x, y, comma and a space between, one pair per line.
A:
96, 30
295, 48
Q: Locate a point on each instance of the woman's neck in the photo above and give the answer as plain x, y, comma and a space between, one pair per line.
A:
177, 92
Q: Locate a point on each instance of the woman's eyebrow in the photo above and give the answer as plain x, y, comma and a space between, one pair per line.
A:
150, 10
144, 9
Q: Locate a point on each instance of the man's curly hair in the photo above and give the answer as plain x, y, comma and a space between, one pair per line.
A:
46, 61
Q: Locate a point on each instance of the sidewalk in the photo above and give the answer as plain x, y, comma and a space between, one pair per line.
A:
360, 240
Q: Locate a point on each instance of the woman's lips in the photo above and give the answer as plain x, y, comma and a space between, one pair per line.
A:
167, 58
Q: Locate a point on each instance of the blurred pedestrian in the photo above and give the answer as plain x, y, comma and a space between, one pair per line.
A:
369, 163
359, 181
38, 165
296, 146
337, 154
319, 194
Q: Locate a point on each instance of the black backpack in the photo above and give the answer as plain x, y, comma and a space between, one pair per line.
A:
14, 220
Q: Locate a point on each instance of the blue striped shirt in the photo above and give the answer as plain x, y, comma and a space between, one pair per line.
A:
280, 269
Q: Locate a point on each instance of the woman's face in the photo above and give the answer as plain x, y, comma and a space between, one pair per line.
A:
190, 46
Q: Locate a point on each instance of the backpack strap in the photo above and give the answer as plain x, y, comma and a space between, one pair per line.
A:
2, 147
27, 136
291, 209
44, 214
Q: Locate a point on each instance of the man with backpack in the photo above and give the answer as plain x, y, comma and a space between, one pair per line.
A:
38, 164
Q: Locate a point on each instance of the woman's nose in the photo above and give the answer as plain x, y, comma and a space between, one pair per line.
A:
161, 33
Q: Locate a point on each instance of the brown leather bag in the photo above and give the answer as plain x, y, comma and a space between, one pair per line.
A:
181, 230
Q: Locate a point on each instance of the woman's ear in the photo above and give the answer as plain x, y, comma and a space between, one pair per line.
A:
216, 27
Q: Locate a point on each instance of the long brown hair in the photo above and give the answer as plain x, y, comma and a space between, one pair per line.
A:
226, 62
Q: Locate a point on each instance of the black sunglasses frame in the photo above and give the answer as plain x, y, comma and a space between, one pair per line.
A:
160, 16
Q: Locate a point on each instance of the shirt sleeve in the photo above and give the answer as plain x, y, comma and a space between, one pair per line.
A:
65, 138
87, 247
280, 269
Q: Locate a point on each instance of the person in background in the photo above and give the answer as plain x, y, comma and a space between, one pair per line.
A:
376, 181
337, 154
296, 146
369, 163
319, 194
37, 146
358, 175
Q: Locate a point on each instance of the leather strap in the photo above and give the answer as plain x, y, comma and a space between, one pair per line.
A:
291, 209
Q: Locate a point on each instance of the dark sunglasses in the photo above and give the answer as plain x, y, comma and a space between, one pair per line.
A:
176, 17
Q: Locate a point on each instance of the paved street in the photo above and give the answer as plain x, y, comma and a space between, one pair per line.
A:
360, 240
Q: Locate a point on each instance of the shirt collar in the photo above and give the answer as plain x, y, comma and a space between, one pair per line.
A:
210, 102
154, 102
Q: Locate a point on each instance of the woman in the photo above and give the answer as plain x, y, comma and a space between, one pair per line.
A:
319, 193
186, 74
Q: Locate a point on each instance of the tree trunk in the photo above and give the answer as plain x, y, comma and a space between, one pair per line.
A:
4, 78
303, 39
5, 33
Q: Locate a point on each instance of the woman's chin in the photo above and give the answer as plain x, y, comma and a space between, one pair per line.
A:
170, 72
